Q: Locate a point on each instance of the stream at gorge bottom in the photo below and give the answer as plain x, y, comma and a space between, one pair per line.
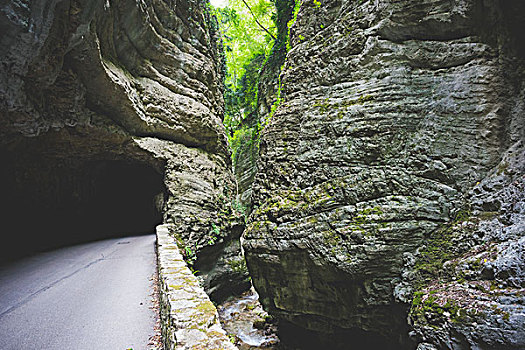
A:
247, 324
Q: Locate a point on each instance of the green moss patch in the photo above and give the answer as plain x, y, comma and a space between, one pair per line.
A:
440, 248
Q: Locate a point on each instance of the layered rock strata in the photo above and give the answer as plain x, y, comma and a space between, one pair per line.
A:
127, 81
396, 155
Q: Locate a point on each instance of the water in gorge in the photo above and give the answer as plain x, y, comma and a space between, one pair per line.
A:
247, 323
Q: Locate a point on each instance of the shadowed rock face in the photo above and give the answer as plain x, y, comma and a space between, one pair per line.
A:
130, 82
394, 116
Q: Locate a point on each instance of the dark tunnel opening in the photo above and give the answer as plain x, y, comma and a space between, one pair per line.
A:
126, 199
48, 203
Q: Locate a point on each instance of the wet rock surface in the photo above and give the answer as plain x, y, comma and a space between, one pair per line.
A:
400, 122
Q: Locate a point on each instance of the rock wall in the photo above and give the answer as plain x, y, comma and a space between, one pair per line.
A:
135, 82
401, 125
189, 319
245, 162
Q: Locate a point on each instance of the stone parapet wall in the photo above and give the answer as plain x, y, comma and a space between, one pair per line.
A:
189, 320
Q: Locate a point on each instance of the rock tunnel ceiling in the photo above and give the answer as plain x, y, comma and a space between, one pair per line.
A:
49, 201
106, 104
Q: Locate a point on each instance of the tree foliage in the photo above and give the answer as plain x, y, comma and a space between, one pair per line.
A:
248, 32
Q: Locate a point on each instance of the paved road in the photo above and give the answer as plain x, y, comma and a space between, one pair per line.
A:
92, 296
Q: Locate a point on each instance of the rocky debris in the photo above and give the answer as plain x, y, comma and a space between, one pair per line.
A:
134, 82
477, 295
396, 119
189, 319
426, 346
469, 314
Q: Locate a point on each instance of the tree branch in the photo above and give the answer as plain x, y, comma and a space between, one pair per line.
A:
257, 21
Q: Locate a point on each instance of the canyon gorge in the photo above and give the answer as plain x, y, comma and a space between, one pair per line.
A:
380, 203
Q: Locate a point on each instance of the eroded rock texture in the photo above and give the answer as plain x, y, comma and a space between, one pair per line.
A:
132, 82
395, 156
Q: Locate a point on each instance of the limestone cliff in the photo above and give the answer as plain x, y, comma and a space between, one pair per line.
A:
86, 84
391, 178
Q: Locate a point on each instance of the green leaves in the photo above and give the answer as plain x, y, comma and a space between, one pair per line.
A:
249, 32
248, 29
243, 37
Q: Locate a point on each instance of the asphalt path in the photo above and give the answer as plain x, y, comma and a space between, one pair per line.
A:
90, 296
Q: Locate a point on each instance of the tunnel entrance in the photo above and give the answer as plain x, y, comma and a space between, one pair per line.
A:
49, 202
125, 199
